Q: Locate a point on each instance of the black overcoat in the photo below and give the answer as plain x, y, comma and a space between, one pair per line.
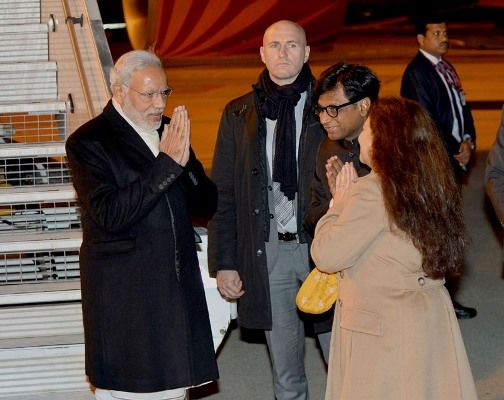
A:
240, 227
145, 315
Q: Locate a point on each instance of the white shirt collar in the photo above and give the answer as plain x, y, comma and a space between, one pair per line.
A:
149, 136
433, 59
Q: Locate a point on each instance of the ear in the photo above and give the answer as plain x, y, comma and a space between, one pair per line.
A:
118, 93
307, 53
261, 52
420, 39
365, 105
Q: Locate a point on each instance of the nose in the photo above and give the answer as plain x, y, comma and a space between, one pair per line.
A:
283, 51
324, 118
159, 100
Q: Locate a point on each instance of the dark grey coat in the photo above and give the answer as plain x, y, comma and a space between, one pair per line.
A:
145, 314
239, 229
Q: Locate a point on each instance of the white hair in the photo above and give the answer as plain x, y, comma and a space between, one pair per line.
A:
130, 62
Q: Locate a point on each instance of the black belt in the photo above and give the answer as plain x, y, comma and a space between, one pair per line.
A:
287, 236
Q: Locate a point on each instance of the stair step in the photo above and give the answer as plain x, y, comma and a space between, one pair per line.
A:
34, 194
54, 364
40, 241
40, 321
26, 82
24, 43
34, 293
19, 12
34, 107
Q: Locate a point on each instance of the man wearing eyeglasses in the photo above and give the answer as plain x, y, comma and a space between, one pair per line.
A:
343, 95
147, 330
263, 164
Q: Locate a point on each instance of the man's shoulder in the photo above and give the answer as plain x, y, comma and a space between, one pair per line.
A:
242, 103
419, 61
89, 130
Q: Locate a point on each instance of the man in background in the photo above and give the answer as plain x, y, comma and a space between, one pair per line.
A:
494, 173
434, 83
263, 164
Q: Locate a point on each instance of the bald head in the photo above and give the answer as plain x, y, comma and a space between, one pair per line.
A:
283, 25
284, 51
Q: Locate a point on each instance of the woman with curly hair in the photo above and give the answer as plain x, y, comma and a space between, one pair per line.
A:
393, 236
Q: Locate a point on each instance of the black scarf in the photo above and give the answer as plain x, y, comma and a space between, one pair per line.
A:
279, 105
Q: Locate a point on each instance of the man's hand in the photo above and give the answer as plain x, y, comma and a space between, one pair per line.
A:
229, 284
175, 140
464, 154
333, 168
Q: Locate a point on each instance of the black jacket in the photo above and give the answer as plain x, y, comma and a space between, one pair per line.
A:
145, 315
422, 83
239, 229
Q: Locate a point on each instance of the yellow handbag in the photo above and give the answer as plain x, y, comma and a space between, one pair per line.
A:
318, 292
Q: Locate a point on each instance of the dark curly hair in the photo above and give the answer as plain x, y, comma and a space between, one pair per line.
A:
357, 81
421, 195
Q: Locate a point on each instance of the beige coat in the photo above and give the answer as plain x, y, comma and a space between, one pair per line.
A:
395, 334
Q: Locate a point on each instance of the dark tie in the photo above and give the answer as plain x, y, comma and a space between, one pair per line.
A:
450, 75
455, 91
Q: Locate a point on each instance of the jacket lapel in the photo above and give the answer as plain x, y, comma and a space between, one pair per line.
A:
126, 137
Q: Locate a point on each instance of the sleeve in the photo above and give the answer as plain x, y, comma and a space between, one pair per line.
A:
222, 234
200, 191
319, 197
469, 128
342, 236
113, 207
494, 173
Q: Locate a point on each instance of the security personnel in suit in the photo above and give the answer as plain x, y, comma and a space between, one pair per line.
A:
435, 84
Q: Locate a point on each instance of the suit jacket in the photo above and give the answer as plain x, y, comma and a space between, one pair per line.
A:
395, 334
145, 316
422, 83
494, 173
240, 228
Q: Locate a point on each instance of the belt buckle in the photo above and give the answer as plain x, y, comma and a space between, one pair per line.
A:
287, 236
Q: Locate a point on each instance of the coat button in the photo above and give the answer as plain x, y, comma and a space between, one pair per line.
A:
255, 212
272, 216
270, 188
259, 253
421, 281
254, 171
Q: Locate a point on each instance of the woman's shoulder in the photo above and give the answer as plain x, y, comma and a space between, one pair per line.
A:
369, 183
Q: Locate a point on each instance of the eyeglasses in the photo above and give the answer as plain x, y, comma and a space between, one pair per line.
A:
332, 109
150, 95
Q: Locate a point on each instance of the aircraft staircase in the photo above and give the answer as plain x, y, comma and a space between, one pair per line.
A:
53, 63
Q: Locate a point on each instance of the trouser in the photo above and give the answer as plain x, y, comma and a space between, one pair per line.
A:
324, 340
286, 340
175, 394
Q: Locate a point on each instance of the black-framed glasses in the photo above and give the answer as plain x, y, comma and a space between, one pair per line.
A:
150, 95
332, 109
